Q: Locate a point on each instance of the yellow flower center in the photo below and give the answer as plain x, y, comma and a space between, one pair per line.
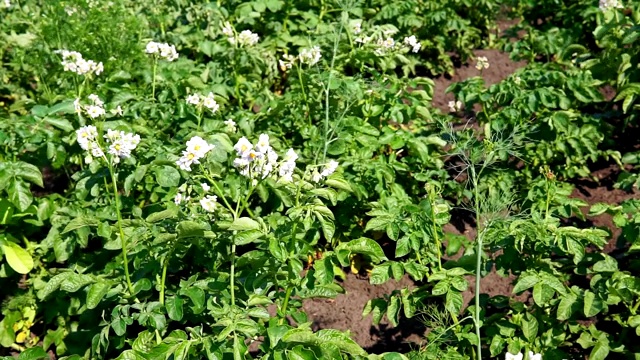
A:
190, 156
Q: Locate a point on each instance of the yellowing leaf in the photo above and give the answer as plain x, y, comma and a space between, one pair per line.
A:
17, 257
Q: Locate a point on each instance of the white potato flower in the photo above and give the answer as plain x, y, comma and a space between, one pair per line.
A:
310, 56
482, 63
162, 50
180, 198
73, 61
286, 62
247, 38
533, 356
510, 356
210, 103
413, 43
243, 146
327, 170
231, 125
193, 99
610, 4
197, 148
455, 106
259, 160
205, 187
86, 135
357, 27
227, 30
209, 203
94, 111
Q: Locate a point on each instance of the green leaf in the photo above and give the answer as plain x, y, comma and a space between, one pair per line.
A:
299, 353
96, 292
162, 215
403, 247
338, 183
18, 258
600, 351
453, 302
28, 172
609, 264
530, 327
174, 307
19, 194
247, 237
525, 282
341, 340
167, 176
365, 246
61, 123
34, 353
80, 222
187, 229
592, 304
380, 274
566, 306
542, 294
244, 223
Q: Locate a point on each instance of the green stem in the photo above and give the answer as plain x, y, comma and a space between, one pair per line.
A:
123, 240
233, 273
285, 305
304, 94
474, 179
153, 82
200, 111
164, 278
435, 230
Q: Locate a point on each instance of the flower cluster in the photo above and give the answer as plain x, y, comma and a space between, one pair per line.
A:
455, 106
385, 45
413, 43
255, 161
260, 160
121, 144
165, 51
203, 101
182, 195
482, 63
74, 62
310, 56
610, 4
245, 38
209, 203
96, 108
286, 62
7, 3
231, 125
520, 356
356, 27
328, 169
197, 148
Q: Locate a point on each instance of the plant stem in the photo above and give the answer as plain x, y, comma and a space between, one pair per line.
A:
123, 240
435, 228
233, 273
153, 82
476, 200
285, 305
163, 279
